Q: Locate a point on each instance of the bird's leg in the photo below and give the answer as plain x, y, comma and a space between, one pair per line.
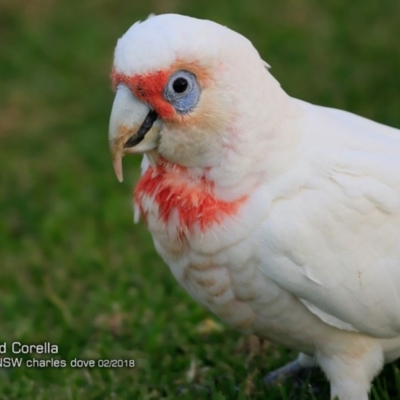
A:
350, 372
291, 370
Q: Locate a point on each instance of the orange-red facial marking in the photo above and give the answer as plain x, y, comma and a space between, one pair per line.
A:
171, 188
149, 89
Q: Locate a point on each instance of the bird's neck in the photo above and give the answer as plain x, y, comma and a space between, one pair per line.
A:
189, 197
186, 196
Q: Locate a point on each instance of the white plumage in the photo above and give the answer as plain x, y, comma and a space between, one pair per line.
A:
281, 217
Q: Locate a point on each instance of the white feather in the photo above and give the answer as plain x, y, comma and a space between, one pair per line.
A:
312, 258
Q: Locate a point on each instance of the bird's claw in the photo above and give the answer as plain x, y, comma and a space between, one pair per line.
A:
291, 370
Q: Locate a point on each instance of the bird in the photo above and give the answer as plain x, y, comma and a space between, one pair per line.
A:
279, 216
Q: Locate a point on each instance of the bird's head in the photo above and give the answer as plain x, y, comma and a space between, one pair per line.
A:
187, 90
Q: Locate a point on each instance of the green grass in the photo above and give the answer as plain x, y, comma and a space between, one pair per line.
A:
75, 271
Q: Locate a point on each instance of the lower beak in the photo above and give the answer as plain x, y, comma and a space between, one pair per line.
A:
134, 128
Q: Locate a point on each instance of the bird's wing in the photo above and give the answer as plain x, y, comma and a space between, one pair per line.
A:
332, 237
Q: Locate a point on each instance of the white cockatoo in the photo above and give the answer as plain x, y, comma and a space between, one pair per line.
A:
279, 216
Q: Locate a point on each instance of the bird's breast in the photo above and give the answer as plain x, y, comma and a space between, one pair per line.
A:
211, 248
191, 231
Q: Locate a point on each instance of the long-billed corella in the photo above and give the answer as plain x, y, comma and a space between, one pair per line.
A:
279, 216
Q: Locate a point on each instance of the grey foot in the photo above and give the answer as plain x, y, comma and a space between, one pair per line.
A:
291, 370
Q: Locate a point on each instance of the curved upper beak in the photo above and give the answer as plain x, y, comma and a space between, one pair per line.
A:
134, 128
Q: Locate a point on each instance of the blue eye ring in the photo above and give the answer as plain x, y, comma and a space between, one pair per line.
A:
182, 91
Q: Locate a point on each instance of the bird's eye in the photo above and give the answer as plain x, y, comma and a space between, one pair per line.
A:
180, 85
182, 91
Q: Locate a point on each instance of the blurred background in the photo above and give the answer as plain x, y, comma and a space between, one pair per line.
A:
74, 270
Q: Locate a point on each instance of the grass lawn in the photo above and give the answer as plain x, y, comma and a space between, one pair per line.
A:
75, 271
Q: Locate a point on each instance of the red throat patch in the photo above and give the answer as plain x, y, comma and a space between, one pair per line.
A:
172, 188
